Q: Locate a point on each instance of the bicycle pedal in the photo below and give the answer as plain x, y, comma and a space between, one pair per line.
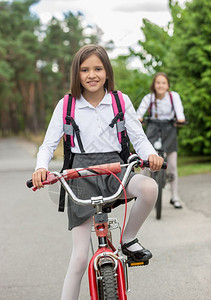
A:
132, 263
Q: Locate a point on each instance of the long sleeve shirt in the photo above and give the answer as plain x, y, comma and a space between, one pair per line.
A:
164, 108
96, 134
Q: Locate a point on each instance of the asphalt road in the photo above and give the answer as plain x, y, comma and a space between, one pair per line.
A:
35, 243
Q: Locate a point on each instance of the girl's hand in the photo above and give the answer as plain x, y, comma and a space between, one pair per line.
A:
179, 123
155, 162
38, 176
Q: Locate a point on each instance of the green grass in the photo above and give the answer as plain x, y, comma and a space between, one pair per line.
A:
192, 165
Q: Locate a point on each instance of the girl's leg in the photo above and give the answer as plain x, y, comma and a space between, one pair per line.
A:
145, 190
172, 169
78, 261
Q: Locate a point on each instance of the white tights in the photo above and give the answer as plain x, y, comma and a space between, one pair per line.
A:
172, 169
140, 186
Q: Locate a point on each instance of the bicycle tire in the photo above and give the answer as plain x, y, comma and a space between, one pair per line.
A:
158, 205
107, 285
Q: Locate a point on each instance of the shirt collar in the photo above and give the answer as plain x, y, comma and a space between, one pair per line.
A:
82, 103
165, 96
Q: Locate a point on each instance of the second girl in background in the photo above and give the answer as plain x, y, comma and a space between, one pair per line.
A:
164, 105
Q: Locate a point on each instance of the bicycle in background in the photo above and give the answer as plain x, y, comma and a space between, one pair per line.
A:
162, 177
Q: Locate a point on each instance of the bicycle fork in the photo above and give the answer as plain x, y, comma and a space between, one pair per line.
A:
105, 256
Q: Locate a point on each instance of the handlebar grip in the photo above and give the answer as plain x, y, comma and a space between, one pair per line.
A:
181, 123
50, 179
146, 164
29, 183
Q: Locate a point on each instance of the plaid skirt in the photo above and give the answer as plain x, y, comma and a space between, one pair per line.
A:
87, 187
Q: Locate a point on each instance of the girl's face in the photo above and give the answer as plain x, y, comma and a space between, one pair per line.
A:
161, 85
92, 75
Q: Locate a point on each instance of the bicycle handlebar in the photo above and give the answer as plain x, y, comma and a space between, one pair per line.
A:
160, 121
53, 177
104, 169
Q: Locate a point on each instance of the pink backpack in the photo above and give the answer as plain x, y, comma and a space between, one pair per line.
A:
71, 129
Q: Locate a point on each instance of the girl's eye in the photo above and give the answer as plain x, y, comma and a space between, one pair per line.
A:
99, 69
83, 70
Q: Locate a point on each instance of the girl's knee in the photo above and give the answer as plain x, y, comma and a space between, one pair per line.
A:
149, 190
149, 185
152, 186
143, 186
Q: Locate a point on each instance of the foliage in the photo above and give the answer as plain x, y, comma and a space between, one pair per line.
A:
182, 50
191, 54
155, 47
134, 83
34, 63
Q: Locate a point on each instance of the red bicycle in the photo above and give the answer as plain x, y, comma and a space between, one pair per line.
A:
107, 271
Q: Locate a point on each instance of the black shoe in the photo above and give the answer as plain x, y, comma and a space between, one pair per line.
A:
139, 255
175, 203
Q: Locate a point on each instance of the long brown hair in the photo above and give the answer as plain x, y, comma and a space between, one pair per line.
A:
85, 52
152, 88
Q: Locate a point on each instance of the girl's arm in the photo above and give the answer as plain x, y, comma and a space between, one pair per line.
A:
144, 105
49, 145
178, 107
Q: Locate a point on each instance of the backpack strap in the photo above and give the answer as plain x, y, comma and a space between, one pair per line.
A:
172, 102
118, 104
150, 107
68, 111
70, 126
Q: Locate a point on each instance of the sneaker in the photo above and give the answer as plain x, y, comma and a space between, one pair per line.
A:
175, 203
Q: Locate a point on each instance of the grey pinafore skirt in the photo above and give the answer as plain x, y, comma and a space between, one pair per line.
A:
88, 187
168, 133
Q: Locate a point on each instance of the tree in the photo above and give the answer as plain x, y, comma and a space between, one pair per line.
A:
133, 82
34, 63
191, 71
155, 46
18, 56
182, 50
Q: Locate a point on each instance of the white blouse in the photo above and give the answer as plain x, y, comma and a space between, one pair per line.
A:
96, 134
164, 107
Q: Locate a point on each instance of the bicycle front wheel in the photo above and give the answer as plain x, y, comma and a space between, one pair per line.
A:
107, 285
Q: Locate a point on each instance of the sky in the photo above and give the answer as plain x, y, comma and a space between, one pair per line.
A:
120, 20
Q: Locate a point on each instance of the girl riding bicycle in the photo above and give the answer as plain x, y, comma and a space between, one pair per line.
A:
91, 83
164, 105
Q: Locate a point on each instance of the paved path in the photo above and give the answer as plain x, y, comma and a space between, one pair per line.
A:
35, 245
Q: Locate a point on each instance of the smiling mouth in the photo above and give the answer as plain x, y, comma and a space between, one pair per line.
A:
92, 82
